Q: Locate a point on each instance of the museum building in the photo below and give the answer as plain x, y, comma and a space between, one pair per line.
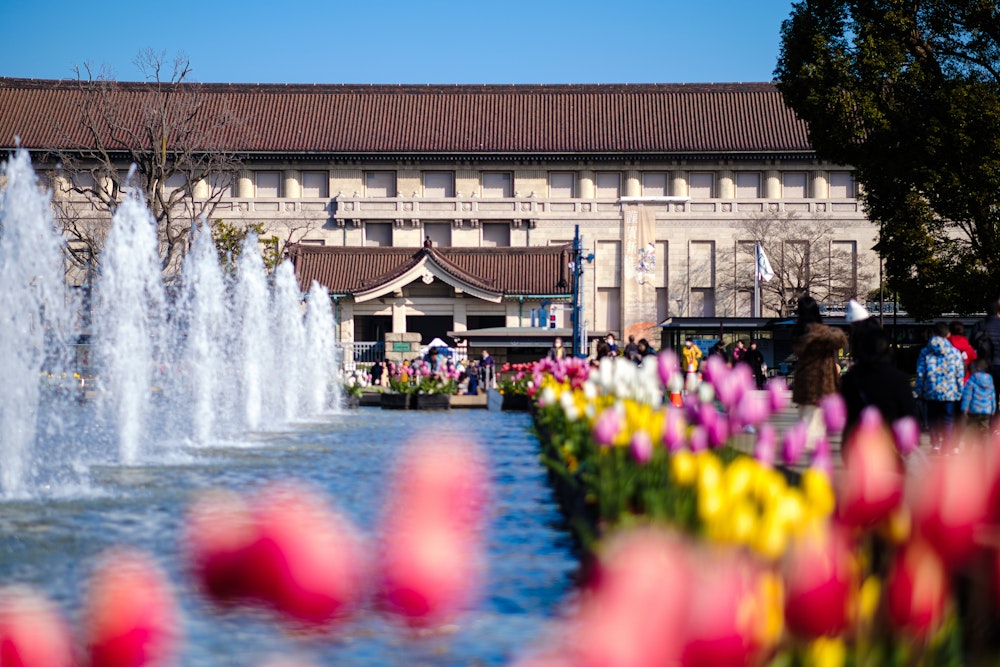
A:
450, 210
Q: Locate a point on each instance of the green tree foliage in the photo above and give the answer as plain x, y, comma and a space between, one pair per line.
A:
229, 241
908, 92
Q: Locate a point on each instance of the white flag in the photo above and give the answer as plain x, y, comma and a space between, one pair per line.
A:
764, 270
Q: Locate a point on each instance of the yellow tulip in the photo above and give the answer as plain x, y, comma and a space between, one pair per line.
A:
818, 491
771, 539
827, 652
683, 468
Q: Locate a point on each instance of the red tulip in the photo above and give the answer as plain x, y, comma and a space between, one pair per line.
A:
949, 500
917, 589
130, 617
821, 575
32, 632
871, 483
634, 616
307, 559
218, 533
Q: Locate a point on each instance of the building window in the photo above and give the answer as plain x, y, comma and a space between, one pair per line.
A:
608, 184
221, 184
702, 302
496, 234
654, 184
268, 184
174, 181
701, 277
607, 309
315, 184
793, 185
843, 270
439, 233
701, 185
562, 184
380, 184
748, 184
378, 234
439, 184
842, 185
497, 184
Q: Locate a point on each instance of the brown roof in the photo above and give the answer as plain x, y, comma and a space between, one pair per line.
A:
442, 119
508, 271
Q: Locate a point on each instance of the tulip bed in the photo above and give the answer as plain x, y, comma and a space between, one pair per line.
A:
686, 509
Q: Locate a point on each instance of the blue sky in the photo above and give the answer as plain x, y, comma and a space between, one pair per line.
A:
427, 41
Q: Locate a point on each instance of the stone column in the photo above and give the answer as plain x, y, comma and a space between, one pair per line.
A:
343, 310
727, 185
819, 186
244, 184
200, 189
459, 316
633, 183
399, 316
679, 184
772, 184
587, 189
291, 188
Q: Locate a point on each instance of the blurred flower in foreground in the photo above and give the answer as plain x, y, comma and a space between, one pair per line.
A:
32, 632
431, 540
871, 484
821, 577
130, 617
917, 589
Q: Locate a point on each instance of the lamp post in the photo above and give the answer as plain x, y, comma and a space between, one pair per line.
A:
576, 269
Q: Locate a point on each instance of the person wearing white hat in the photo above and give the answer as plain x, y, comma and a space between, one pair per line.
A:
856, 312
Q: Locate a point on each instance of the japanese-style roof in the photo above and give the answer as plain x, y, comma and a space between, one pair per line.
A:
487, 273
332, 120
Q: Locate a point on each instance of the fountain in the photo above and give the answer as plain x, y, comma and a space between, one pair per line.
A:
223, 382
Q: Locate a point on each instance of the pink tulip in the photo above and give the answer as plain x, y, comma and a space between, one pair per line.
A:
699, 439
130, 616
308, 561
32, 632
766, 446
821, 577
720, 631
430, 561
822, 458
642, 446
793, 445
635, 614
753, 409
607, 426
714, 370
667, 366
871, 484
777, 391
917, 590
718, 430
674, 426
950, 503
219, 529
907, 433
834, 412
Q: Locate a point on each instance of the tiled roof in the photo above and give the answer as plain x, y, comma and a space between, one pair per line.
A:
509, 271
440, 119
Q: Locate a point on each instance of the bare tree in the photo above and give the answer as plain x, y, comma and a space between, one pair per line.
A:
806, 259
172, 137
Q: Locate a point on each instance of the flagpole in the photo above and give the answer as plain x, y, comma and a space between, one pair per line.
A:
756, 281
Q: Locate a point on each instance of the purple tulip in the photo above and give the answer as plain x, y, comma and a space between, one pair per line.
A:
699, 439
834, 412
822, 459
767, 442
642, 446
714, 369
718, 431
794, 443
607, 426
777, 391
674, 426
906, 430
870, 418
667, 366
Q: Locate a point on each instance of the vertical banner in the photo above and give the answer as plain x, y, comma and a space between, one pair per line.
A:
639, 267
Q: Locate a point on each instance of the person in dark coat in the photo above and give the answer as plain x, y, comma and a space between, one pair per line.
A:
874, 380
754, 358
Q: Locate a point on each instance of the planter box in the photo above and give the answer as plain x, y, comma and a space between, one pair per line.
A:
433, 402
397, 401
519, 402
351, 402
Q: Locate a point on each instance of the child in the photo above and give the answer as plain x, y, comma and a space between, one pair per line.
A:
979, 398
